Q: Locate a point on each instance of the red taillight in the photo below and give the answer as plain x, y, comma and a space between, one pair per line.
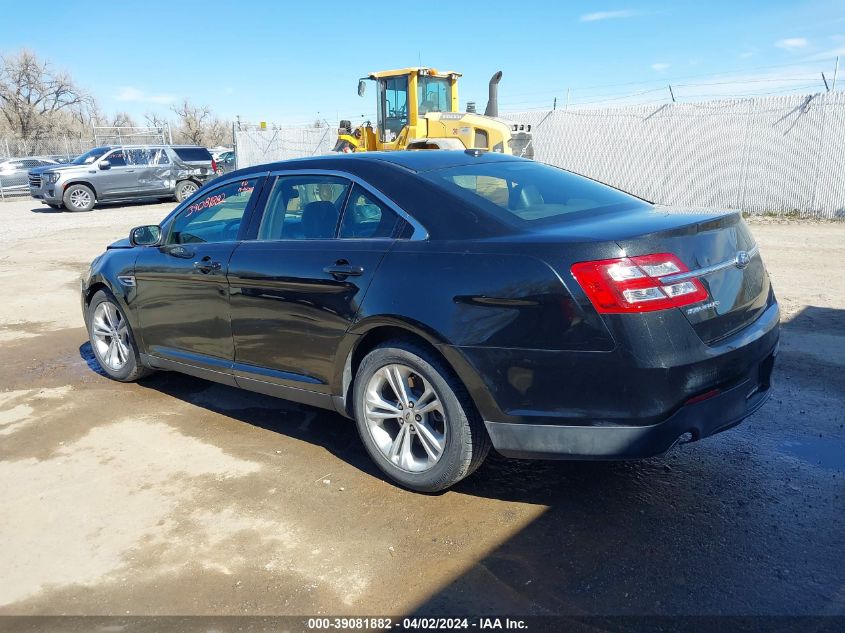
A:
214, 165
636, 284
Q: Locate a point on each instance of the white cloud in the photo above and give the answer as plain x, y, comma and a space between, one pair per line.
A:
607, 15
130, 93
660, 67
791, 43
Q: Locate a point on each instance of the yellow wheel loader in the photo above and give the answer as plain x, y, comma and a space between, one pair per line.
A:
418, 109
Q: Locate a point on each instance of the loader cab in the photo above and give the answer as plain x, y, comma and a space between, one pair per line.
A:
404, 96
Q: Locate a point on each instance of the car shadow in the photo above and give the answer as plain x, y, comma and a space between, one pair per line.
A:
730, 525
337, 434
105, 205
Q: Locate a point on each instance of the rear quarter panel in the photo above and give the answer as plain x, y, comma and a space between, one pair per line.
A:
486, 296
485, 305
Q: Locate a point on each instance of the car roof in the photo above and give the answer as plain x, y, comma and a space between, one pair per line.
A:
398, 176
416, 160
145, 145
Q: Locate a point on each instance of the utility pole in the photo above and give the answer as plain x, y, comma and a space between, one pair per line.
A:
554, 105
824, 79
671, 94
835, 73
567, 99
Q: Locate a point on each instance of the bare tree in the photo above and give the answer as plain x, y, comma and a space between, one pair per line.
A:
199, 126
32, 94
153, 119
122, 119
192, 121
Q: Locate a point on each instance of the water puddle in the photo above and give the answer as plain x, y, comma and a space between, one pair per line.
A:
825, 452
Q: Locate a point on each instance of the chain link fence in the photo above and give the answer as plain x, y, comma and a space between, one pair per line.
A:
18, 156
783, 155
256, 144
780, 155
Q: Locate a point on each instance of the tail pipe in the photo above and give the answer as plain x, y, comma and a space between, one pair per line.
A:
493, 97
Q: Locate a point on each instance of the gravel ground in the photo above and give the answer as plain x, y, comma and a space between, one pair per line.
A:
178, 496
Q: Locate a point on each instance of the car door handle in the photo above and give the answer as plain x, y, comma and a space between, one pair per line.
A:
342, 269
205, 265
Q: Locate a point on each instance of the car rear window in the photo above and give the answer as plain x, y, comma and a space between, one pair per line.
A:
193, 153
528, 192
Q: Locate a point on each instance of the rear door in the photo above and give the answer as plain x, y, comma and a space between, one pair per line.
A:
297, 287
154, 176
182, 292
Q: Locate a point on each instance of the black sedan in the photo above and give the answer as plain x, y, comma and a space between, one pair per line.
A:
447, 301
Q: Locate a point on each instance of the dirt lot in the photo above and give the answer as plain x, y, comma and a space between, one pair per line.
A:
178, 496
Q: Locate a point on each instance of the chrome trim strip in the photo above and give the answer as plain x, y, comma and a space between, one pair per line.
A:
707, 270
420, 232
126, 280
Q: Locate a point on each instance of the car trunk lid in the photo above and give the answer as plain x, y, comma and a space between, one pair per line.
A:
719, 251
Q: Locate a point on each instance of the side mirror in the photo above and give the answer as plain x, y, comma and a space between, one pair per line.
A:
148, 235
362, 87
104, 164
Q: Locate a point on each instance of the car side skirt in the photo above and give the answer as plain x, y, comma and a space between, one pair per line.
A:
294, 394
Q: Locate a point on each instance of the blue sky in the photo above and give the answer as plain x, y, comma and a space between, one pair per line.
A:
290, 62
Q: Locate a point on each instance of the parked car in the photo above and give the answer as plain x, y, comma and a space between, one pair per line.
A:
13, 172
124, 172
225, 163
447, 301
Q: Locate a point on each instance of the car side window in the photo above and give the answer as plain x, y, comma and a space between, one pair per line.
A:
117, 158
365, 217
303, 208
214, 216
159, 157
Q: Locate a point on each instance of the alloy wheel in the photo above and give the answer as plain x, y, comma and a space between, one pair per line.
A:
405, 418
80, 198
187, 191
110, 336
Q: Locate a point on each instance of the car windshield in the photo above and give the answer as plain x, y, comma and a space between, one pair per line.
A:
90, 156
525, 192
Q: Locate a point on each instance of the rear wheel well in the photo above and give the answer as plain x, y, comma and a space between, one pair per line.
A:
373, 339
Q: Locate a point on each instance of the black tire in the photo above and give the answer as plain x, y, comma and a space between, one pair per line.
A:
79, 198
132, 369
466, 443
185, 189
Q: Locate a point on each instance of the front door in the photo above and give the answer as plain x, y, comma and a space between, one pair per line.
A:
119, 178
182, 291
296, 289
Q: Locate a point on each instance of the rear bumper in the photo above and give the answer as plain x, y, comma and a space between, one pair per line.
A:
699, 419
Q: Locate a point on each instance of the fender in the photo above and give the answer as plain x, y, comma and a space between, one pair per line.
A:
108, 275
